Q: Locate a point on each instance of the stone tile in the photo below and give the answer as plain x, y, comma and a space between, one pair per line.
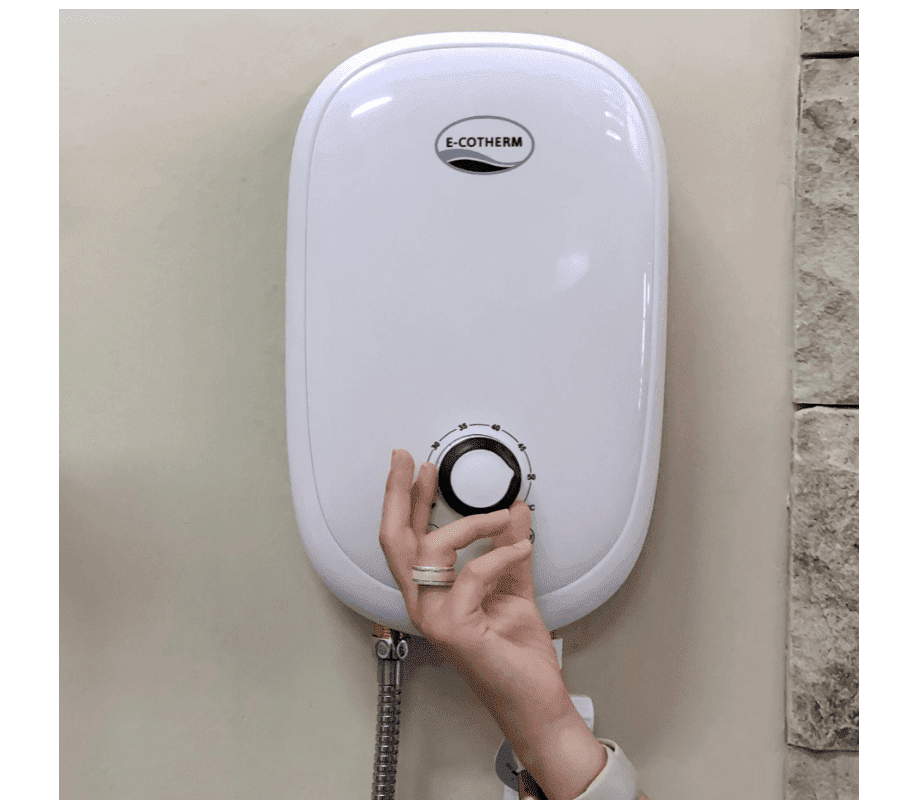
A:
822, 681
829, 30
820, 776
826, 235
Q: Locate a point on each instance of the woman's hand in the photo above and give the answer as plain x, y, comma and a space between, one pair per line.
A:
488, 626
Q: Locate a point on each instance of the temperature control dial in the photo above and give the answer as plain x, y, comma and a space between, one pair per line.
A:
478, 475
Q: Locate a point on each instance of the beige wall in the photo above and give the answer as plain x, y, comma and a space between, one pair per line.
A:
201, 657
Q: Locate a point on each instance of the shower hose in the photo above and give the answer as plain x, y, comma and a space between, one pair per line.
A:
391, 649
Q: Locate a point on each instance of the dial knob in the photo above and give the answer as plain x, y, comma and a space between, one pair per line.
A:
479, 475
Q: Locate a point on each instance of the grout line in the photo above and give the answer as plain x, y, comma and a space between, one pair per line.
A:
831, 54
799, 406
822, 752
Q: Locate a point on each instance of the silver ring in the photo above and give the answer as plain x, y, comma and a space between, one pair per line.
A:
433, 576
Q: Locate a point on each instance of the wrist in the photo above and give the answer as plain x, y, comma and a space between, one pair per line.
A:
562, 755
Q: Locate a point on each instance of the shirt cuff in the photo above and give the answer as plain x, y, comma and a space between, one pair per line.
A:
617, 781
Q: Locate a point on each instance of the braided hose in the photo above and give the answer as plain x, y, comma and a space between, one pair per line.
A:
391, 650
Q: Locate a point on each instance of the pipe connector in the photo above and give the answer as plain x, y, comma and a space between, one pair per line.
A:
391, 648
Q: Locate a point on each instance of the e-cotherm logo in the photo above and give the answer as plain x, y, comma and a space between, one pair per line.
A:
484, 145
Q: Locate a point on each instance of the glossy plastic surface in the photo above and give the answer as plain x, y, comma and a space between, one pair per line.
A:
427, 303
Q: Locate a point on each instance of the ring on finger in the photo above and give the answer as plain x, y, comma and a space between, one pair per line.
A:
433, 576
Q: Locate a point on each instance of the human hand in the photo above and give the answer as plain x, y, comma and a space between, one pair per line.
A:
488, 626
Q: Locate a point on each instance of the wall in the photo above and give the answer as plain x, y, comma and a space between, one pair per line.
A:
200, 655
822, 687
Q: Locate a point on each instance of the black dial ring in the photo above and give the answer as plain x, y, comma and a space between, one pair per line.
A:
460, 449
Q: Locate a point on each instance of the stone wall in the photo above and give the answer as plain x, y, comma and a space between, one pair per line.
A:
822, 676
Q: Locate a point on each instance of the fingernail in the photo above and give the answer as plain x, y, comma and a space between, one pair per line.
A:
523, 544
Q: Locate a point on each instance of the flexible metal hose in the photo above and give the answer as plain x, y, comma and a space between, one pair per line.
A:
391, 650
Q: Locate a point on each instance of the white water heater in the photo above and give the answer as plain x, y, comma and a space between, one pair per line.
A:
477, 273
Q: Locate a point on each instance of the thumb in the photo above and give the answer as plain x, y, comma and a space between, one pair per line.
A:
471, 585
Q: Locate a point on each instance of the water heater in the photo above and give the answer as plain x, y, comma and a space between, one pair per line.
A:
477, 273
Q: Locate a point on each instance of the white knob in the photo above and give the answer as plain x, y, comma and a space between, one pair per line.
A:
481, 478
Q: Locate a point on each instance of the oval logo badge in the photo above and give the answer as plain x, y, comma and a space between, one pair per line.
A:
484, 145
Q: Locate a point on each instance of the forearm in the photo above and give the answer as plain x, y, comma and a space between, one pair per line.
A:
549, 737
563, 756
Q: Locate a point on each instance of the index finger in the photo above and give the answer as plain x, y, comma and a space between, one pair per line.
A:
397, 538
397, 501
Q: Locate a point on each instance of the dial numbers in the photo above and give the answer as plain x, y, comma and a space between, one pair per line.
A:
462, 430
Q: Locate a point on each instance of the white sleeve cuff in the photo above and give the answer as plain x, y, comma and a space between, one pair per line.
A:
617, 781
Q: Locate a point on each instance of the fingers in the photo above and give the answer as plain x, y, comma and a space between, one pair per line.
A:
405, 541
472, 584
519, 526
422, 496
438, 548
397, 503
519, 580
396, 536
